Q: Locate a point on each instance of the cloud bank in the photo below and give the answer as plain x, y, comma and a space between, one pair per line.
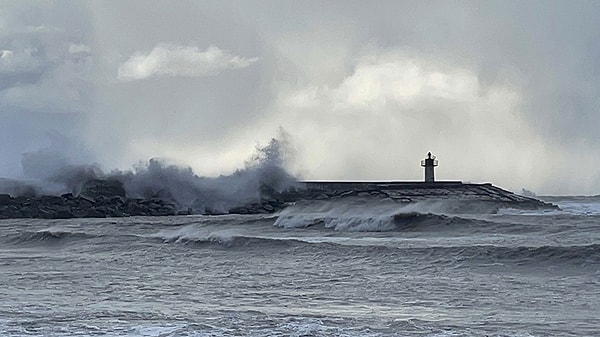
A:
186, 61
46, 81
395, 106
501, 91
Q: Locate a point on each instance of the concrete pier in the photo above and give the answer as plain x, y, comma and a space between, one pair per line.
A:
466, 197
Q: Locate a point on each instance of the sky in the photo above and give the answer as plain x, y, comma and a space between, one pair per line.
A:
506, 92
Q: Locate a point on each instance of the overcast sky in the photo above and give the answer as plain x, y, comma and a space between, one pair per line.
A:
501, 91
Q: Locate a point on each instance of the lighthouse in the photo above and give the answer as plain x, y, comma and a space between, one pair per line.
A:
429, 163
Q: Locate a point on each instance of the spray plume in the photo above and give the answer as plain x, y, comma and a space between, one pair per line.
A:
264, 171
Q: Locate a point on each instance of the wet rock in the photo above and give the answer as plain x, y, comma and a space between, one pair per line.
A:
189, 212
94, 188
67, 196
133, 208
48, 200
117, 200
5, 199
84, 203
79, 213
239, 210
63, 212
99, 199
95, 212
207, 211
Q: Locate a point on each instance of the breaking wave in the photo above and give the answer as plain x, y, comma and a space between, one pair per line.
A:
577, 254
58, 236
45, 236
195, 234
365, 215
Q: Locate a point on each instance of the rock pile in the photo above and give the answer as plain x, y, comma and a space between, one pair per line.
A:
70, 206
107, 198
98, 199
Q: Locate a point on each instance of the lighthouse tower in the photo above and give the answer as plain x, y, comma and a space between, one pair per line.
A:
429, 163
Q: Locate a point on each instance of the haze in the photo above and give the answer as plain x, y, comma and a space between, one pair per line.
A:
506, 92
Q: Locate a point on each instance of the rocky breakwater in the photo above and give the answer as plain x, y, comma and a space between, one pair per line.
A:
98, 199
101, 198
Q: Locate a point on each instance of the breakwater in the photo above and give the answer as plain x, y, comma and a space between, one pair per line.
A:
108, 198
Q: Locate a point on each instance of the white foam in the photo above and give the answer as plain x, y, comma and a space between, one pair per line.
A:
351, 215
575, 207
580, 207
154, 331
198, 233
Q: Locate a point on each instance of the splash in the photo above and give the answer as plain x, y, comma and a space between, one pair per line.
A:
264, 173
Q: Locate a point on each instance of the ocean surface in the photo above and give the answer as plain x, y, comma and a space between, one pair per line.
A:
347, 268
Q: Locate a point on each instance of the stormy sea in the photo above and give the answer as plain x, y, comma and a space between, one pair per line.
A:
357, 267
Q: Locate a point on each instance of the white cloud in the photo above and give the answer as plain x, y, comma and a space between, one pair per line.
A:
392, 108
6, 54
75, 48
186, 61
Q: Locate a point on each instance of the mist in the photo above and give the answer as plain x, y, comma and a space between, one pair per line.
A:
503, 92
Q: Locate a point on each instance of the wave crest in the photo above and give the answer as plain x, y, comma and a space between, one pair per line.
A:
358, 215
49, 236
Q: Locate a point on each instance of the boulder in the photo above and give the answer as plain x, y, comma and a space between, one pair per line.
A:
95, 212
5, 199
108, 188
190, 212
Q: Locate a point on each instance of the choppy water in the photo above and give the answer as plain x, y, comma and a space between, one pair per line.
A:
358, 268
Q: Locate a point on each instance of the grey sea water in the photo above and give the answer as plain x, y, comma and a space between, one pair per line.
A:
360, 268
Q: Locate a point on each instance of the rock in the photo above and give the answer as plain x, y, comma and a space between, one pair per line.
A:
12, 212
63, 212
117, 200
48, 200
67, 196
98, 198
189, 212
238, 210
103, 187
208, 211
135, 209
347, 193
5, 199
79, 213
95, 212
82, 202
168, 210
54, 212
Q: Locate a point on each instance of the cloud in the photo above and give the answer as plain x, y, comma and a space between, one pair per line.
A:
504, 92
394, 107
44, 90
184, 61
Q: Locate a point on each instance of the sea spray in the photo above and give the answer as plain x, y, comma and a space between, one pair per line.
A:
50, 173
